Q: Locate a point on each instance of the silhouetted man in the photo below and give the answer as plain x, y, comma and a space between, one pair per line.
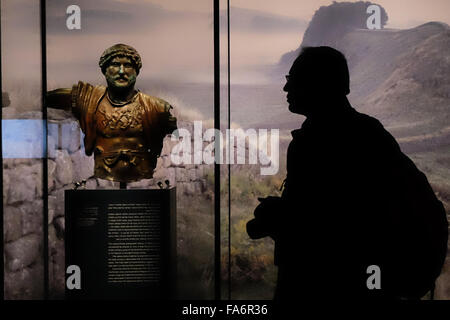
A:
356, 218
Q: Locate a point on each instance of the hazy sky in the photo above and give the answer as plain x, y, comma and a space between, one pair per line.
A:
402, 13
174, 37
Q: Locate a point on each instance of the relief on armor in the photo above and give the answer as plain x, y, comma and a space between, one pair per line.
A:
129, 117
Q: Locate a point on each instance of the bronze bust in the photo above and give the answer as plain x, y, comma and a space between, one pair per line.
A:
123, 127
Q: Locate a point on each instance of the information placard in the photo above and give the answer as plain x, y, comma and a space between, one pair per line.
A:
123, 241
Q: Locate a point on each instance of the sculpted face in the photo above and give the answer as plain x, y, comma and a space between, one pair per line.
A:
121, 73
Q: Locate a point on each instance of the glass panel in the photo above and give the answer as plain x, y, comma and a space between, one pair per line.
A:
397, 68
23, 150
175, 41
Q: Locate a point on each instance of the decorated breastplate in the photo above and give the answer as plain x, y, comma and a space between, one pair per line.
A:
121, 153
119, 120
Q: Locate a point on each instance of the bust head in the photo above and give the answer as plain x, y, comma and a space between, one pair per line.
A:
120, 49
120, 64
120, 73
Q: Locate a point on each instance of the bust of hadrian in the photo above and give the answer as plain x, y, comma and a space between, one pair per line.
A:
123, 127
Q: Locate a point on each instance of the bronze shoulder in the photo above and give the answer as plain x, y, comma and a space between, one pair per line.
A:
84, 93
159, 111
160, 105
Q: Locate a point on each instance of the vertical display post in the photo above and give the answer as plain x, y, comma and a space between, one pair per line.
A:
217, 254
44, 144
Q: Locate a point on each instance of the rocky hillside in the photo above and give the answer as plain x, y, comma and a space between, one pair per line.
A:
402, 77
330, 23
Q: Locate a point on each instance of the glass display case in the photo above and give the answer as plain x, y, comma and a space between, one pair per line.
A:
176, 76
192, 102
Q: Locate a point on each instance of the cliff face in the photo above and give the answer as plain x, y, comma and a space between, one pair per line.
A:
330, 23
402, 77
416, 60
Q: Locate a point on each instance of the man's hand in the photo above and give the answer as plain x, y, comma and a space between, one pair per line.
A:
266, 217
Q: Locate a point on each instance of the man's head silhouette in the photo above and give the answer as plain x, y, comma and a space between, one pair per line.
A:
317, 77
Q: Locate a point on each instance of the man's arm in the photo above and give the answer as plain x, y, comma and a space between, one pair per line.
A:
59, 99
